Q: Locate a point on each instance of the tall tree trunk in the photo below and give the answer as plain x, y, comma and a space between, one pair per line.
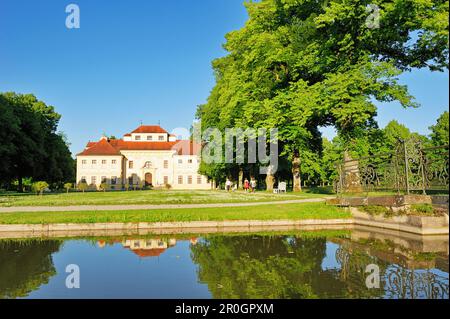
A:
20, 179
296, 179
241, 178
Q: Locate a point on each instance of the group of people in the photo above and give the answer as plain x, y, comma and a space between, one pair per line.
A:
249, 186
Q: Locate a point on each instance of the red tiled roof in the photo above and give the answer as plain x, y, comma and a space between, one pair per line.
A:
142, 146
113, 147
149, 129
102, 147
148, 252
187, 147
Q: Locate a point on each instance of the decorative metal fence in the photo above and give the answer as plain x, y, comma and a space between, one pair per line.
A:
410, 167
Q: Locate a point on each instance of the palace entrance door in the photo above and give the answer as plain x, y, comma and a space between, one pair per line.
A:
148, 179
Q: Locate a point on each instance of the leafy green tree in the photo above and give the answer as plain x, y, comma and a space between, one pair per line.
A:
83, 186
299, 65
31, 146
68, 186
439, 132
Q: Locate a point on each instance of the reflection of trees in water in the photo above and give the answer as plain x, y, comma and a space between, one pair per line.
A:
290, 267
259, 267
274, 267
25, 266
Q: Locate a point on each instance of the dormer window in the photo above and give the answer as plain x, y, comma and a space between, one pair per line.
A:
161, 138
149, 138
137, 138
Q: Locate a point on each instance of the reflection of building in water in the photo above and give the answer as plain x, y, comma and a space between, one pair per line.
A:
148, 247
151, 247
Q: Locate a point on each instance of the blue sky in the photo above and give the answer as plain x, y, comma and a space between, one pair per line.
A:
146, 61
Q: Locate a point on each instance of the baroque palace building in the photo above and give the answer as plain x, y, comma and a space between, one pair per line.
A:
148, 156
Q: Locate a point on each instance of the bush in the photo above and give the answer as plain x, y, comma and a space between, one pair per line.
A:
39, 187
375, 210
104, 186
167, 186
423, 209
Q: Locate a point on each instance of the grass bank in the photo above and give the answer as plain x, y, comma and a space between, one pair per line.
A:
153, 197
268, 212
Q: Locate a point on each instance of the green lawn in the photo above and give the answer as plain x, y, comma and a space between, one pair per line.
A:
157, 197
265, 212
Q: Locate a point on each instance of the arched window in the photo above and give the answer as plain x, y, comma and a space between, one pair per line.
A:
148, 164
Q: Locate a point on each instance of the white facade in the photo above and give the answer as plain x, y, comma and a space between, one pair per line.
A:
138, 160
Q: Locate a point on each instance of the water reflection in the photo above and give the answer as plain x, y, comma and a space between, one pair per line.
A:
25, 266
147, 247
293, 265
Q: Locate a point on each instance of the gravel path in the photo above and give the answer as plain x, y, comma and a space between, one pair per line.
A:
146, 207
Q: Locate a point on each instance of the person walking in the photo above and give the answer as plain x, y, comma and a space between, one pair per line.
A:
253, 185
246, 185
228, 185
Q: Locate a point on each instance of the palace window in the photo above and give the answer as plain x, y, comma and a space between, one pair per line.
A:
130, 164
166, 164
166, 179
130, 180
149, 138
94, 162
137, 138
199, 179
180, 179
84, 162
114, 162
103, 179
189, 179
103, 162
83, 179
161, 138
189, 161
114, 180
180, 161
148, 164
93, 179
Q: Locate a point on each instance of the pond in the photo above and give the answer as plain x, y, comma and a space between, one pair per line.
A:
293, 264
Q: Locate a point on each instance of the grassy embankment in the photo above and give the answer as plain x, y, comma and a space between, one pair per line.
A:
297, 211
151, 197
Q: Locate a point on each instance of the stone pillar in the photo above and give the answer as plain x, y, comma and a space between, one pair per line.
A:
270, 179
352, 180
